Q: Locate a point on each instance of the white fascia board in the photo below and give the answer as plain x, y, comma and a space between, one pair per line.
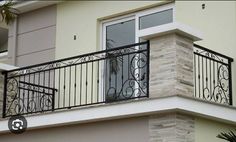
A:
142, 107
175, 27
32, 5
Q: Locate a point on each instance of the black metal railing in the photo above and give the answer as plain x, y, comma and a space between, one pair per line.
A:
101, 77
212, 73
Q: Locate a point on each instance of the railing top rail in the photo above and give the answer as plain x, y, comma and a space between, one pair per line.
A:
214, 52
79, 56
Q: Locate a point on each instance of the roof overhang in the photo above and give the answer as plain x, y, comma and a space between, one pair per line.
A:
25, 6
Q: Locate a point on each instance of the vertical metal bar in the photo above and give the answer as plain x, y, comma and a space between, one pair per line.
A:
106, 80
122, 73
33, 93
214, 76
49, 78
128, 66
210, 81
24, 97
98, 75
148, 66
53, 99
109, 67
203, 79
92, 85
38, 95
59, 87
64, 87
86, 83
4, 95
116, 72
75, 85
199, 78
217, 76
19, 95
195, 84
44, 91
206, 73
54, 75
81, 79
28, 96
230, 83
69, 85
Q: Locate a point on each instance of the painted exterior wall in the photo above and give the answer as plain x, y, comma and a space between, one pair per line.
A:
82, 18
217, 22
123, 130
36, 37
207, 130
72, 19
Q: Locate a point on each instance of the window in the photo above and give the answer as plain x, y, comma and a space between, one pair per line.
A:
124, 31
120, 34
4, 40
156, 19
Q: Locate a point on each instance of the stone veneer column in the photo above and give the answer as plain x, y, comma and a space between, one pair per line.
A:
171, 65
171, 73
172, 127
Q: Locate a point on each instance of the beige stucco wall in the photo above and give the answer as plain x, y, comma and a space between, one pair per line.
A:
217, 22
207, 130
36, 34
81, 18
123, 130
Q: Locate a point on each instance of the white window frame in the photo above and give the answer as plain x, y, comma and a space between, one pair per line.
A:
134, 16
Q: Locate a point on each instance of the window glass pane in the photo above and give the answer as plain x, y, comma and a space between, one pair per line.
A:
156, 19
117, 69
120, 34
3, 39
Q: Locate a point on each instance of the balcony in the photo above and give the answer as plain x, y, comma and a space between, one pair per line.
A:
96, 78
104, 77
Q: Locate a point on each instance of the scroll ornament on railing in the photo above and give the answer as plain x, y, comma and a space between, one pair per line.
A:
213, 75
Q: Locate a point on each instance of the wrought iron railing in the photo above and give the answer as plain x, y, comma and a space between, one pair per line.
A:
101, 77
212, 73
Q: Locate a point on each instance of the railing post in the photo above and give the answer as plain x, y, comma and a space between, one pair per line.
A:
53, 99
148, 66
4, 95
230, 83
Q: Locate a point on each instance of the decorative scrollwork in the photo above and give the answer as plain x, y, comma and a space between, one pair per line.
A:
46, 102
135, 85
212, 74
25, 98
220, 91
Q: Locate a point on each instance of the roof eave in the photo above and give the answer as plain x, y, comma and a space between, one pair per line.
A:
26, 6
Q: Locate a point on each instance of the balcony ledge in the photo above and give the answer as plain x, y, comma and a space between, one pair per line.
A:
6, 67
187, 105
